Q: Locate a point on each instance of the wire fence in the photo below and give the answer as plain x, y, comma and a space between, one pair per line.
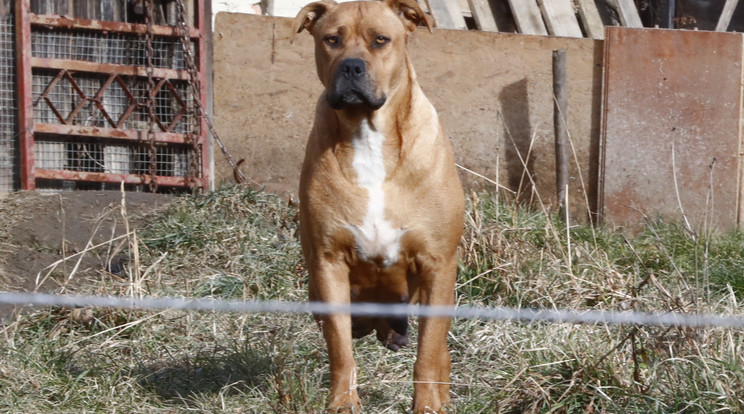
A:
8, 120
381, 310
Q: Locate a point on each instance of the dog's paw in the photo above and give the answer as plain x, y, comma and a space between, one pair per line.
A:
346, 402
346, 409
429, 410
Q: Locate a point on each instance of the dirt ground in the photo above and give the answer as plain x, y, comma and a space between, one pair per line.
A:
41, 229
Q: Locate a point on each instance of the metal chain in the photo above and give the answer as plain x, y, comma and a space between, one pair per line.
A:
149, 20
194, 84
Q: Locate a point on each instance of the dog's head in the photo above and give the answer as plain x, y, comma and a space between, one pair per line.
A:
360, 47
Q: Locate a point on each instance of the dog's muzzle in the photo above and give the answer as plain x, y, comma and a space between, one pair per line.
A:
352, 86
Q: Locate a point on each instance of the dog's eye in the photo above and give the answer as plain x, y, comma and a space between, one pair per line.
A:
381, 40
331, 40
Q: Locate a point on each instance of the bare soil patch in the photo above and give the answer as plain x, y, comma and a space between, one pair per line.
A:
41, 229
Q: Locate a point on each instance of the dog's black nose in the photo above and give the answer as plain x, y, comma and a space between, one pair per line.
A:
353, 68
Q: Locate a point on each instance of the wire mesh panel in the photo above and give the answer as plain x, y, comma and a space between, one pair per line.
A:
8, 121
94, 156
111, 102
98, 47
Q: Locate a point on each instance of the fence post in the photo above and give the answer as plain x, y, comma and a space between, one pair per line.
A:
560, 105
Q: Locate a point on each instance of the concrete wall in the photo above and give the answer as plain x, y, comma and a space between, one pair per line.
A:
493, 92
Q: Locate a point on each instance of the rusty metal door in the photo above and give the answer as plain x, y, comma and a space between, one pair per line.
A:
671, 130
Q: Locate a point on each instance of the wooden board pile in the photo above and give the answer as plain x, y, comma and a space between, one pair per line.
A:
566, 18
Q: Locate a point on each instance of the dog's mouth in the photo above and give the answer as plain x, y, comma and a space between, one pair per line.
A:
352, 86
342, 98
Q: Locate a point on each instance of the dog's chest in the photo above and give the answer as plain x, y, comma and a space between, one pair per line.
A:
377, 240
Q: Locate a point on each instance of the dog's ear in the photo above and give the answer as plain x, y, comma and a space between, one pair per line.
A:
307, 17
411, 14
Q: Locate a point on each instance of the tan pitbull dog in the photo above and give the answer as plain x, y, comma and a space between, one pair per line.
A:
381, 205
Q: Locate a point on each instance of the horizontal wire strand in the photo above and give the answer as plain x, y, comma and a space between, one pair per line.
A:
379, 310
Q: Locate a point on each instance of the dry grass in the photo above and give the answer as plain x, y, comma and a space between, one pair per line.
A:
237, 243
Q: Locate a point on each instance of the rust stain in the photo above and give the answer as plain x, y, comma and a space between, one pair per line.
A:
672, 104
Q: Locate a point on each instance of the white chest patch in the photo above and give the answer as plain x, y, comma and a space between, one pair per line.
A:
376, 239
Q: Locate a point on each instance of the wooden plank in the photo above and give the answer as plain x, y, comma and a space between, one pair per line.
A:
447, 14
629, 16
483, 15
590, 18
528, 17
725, 19
560, 18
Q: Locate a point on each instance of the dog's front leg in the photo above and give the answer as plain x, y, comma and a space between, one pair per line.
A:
431, 371
329, 283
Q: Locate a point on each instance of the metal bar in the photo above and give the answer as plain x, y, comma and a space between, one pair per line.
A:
54, 110
112, 133
108, 68
99, 96
48, 90
66, 175
200, 21
106, 26
153, 94
133, 102
25, 94
181, 107
81, 94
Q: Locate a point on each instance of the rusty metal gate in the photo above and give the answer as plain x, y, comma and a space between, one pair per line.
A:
102, 103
